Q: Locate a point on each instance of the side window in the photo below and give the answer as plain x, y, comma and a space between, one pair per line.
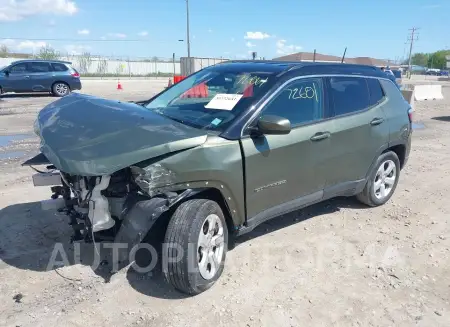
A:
376, 92
59, 67
349, 94
39, 67
301, 102
18, 69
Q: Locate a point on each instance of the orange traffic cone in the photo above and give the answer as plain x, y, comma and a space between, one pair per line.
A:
119, 86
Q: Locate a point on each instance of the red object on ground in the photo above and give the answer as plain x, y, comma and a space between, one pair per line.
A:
178, 78
119, 86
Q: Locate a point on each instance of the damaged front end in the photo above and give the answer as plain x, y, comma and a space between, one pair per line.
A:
104, 167
120, 208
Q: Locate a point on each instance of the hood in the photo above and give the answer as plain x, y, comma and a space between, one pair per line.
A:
86, 135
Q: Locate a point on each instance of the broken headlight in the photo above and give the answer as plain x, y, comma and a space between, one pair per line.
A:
152, 177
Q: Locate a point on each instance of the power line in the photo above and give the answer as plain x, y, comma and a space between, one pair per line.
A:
73, 40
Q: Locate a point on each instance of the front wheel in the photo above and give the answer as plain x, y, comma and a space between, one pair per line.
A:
60, 89
383, 180
195, 246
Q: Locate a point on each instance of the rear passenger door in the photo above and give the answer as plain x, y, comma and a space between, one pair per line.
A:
358, 129
41, 76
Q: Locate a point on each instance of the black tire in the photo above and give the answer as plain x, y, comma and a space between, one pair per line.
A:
60, 89
183, 232
368, 195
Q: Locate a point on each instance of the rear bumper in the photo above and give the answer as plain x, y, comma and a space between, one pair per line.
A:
408, 148
75, 85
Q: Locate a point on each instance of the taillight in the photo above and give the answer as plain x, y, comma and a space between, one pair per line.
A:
410, 114
75, 74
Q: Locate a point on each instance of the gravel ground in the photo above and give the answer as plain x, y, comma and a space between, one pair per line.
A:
333, 264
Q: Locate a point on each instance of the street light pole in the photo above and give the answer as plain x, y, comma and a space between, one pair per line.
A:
187, 30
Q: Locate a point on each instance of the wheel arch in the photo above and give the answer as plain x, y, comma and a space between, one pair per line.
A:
400, 151
399, 148
216, 192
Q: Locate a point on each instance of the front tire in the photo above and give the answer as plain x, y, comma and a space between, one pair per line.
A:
60, 89
383, 180
195, 246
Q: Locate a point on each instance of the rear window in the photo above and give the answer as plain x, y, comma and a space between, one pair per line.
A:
349, 94
59, 67
376, 93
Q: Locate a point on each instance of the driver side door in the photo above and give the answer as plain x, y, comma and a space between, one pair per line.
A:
18, 79
286, 172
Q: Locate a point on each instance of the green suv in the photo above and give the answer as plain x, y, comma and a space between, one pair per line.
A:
217, 154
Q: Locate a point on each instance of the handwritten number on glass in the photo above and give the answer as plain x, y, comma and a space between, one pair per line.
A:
307, 92
255, 80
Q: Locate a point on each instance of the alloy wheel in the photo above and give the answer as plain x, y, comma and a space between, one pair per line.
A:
210, 246
385, 179
61, 89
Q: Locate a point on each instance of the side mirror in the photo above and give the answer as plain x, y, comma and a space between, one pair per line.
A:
6, 72
274, 125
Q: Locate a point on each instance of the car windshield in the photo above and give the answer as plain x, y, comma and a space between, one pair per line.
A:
212, 98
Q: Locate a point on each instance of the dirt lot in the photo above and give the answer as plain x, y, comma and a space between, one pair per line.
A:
334, 264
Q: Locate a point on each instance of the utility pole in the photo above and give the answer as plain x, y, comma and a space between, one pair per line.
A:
187, 30
411, 40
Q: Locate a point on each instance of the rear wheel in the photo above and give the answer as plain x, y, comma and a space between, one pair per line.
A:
195, 246
382, 181
60, 89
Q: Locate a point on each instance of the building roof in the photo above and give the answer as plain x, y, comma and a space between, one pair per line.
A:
309, 56
368, 61
299, 67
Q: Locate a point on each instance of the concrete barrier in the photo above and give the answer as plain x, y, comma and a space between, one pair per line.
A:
428, 92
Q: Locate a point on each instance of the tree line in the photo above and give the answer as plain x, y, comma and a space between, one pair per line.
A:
430, 60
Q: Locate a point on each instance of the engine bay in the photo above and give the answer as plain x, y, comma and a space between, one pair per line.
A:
95, 204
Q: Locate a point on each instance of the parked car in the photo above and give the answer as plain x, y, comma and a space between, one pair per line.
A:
220, 152
433, 71
27, 76
393, 77
398, 76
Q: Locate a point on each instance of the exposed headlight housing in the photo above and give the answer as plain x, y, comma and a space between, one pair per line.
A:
152, 177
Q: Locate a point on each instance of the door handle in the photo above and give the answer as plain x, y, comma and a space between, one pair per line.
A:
320, 136
27, 76
376, 121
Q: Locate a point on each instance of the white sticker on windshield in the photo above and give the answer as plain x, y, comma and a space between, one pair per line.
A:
224, 101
